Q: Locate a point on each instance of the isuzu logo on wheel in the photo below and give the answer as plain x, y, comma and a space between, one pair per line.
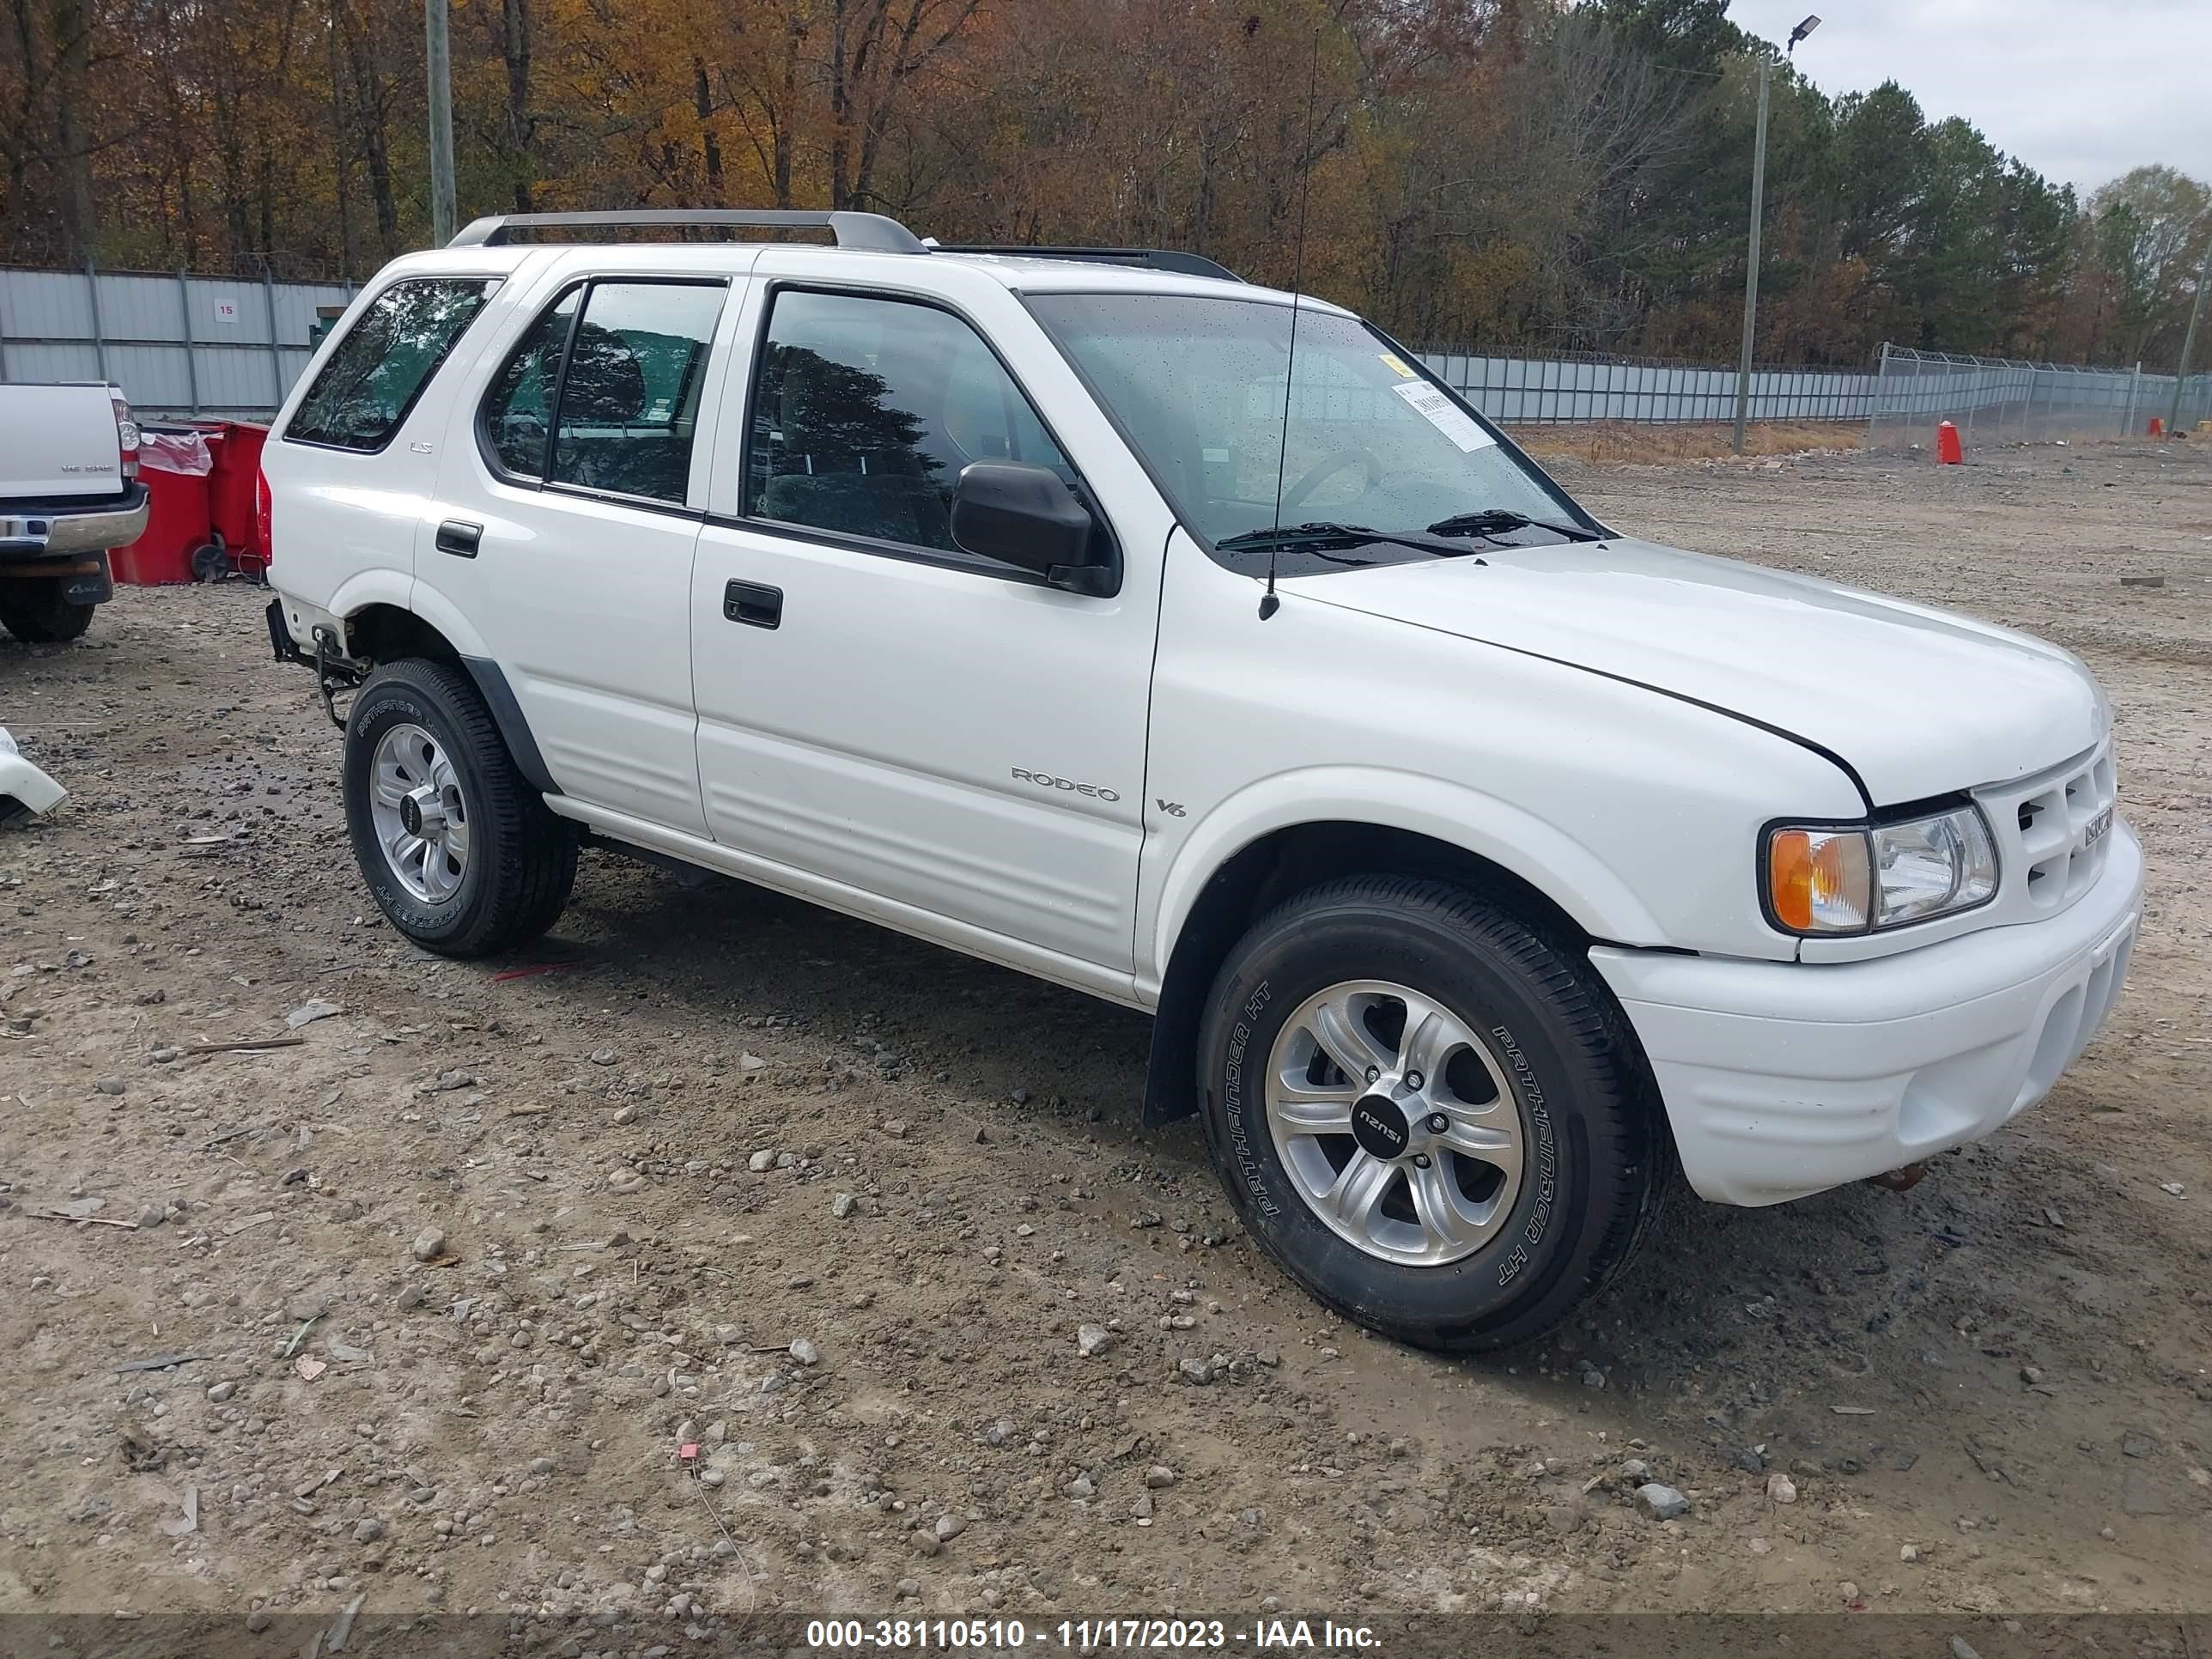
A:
1380, 1128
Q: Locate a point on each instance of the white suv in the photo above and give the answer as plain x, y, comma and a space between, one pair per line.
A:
1477, 860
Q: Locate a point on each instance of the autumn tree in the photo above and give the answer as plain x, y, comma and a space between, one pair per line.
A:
1523, 175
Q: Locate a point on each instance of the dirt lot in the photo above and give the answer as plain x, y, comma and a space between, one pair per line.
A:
833, 1204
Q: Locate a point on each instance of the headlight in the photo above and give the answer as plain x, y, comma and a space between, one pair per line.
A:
1846, 879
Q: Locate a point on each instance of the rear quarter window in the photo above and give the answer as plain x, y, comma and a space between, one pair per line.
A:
375, 374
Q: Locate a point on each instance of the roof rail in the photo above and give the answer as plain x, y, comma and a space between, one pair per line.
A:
871, 231
1155, 259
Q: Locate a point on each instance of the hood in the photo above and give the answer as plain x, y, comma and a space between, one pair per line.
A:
1918, 702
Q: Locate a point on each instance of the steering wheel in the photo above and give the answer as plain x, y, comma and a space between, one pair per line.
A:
1315, 476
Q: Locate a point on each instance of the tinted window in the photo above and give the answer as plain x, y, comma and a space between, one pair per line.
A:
865, 411
629, 390
375, 374
518, 412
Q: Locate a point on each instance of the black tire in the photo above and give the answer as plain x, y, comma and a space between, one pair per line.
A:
1589, 1110
522, 857
35, 611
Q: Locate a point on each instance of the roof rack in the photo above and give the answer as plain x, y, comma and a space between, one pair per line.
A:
871, 231
874, 233
1155, 259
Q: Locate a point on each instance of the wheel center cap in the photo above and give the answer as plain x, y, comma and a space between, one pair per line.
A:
411, 815
1379, 1126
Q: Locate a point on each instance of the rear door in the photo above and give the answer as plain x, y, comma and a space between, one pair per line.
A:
568, 509
940, 741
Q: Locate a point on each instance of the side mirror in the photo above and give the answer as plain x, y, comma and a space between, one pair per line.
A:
1024, 516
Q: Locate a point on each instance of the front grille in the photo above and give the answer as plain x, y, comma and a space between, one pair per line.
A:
2045, 826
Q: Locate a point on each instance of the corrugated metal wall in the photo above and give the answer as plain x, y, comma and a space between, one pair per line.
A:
214, 345
133, 329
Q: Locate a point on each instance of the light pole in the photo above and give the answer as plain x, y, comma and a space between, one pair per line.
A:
437, 63
2188, 335
1758, 212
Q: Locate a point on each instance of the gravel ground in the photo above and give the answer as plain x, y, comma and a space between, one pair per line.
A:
457, 1273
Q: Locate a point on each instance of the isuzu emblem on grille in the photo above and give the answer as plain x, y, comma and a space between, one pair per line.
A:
2095, 830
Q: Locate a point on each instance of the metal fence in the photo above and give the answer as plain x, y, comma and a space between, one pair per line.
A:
180, 345
1568, 387
176, 344
1991, 398
1901, 399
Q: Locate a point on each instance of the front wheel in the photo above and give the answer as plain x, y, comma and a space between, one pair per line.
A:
1430, 1115
460, 853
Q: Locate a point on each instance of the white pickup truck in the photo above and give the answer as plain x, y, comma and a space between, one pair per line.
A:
69, 492
1478, 859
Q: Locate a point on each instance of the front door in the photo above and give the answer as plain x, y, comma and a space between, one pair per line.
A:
891, 714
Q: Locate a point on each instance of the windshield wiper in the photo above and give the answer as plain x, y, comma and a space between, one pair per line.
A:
1494, 521
1318, 538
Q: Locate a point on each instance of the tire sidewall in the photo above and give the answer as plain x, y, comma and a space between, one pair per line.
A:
35, 611
390, 700
1547, 1235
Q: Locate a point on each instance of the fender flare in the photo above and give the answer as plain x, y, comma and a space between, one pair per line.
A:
506, 715
1549, 860
424, 599
1541, 853
419, 597
366, 587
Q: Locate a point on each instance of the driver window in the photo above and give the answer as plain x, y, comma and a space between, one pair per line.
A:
865, 409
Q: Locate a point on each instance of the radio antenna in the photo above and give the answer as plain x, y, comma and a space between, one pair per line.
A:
1268, 603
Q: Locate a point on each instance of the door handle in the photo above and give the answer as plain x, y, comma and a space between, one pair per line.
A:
459, 537
753, 603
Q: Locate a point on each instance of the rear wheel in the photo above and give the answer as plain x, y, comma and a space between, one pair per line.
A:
1428, 1114
460, 852
37, 611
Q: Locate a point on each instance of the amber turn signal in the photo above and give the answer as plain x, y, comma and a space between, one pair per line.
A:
1820, 881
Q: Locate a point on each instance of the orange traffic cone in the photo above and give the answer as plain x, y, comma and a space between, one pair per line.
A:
1949, 450
2157, 426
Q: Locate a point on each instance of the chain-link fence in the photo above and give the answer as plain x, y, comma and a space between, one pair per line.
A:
1567, 386
1993, 399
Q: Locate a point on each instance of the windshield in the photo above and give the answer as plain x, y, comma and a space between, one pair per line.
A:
1197, 384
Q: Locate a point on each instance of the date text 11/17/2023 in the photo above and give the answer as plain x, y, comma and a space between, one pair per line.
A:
1087, 1635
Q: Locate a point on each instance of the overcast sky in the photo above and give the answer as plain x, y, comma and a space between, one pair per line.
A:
2081, 90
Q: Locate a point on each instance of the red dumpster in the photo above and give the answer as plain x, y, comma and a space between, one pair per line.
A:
237, 446
173, 466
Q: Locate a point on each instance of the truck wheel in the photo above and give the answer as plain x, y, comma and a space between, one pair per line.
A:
35, 611
1433, 1119
460, 852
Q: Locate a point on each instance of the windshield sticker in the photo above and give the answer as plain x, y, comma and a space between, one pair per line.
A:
1396, 365
1444, 415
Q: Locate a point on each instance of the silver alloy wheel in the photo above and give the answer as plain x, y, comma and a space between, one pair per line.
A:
422, 819
1396, 1122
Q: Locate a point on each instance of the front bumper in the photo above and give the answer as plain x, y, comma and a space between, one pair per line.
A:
1786, 1078
67, 531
